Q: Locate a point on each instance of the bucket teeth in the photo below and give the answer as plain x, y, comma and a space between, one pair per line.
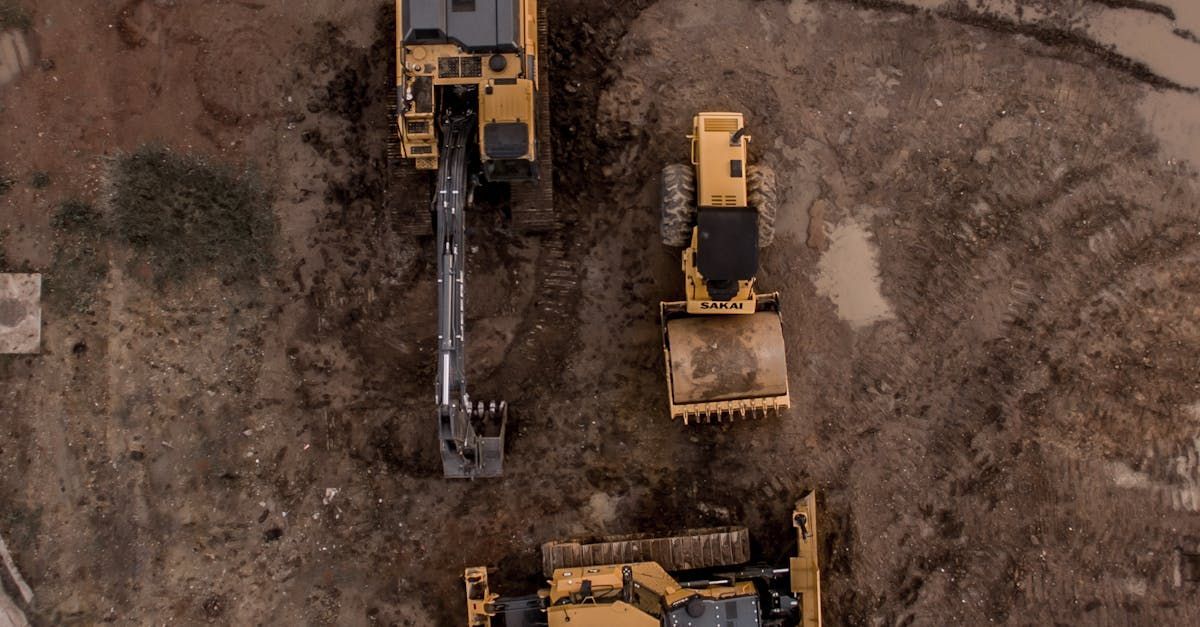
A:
720, 412
486, 410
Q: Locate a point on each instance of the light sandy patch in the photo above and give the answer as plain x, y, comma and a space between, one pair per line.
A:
804, 13
1174, 118
20, 313
602, 509
848, 274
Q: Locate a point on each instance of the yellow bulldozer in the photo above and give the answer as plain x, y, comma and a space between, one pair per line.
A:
723, 346
702, 578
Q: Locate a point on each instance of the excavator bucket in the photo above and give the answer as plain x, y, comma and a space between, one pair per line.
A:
722, 366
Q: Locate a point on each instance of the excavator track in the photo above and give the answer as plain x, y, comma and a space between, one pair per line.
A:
406, 189
701, 548
533, 203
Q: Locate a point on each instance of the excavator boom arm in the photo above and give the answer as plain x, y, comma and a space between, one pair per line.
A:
472, 435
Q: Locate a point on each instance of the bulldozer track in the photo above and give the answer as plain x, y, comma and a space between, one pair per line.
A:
533, 208
702, 548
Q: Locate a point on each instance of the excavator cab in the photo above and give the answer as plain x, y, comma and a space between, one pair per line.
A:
483, 53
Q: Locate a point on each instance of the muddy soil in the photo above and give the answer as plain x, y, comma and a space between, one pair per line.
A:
987, 257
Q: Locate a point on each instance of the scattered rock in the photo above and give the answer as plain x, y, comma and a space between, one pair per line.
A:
214, 607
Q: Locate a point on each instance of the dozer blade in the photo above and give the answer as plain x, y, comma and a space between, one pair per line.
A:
725, 365
804, 570
701, 548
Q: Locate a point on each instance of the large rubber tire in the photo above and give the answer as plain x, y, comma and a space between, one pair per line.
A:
760, 192
678, 205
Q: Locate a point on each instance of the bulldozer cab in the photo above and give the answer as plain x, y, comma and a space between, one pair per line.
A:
470, 55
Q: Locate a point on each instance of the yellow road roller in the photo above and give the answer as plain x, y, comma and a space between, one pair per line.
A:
723, 345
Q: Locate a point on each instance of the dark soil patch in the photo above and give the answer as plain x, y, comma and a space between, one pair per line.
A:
76, 216
13, 16
80, 259
180, 213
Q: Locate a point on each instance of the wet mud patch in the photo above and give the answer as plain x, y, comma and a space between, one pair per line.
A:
81, 258
1148, 41
12, 312
13, 16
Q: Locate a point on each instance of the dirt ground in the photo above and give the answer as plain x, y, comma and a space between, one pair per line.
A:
987, 253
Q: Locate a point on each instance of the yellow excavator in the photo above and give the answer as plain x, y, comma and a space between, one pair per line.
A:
472, 107
723, 346
700, 579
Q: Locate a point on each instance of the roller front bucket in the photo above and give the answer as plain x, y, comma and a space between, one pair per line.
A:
722, 366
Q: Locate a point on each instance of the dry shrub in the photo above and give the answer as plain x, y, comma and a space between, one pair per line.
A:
14, 17
180, 214
80, 262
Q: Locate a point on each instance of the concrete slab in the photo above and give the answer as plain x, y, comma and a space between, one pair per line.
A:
20, 313
15, 55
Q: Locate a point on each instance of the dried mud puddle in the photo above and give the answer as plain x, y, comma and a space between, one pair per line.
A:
848, 274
